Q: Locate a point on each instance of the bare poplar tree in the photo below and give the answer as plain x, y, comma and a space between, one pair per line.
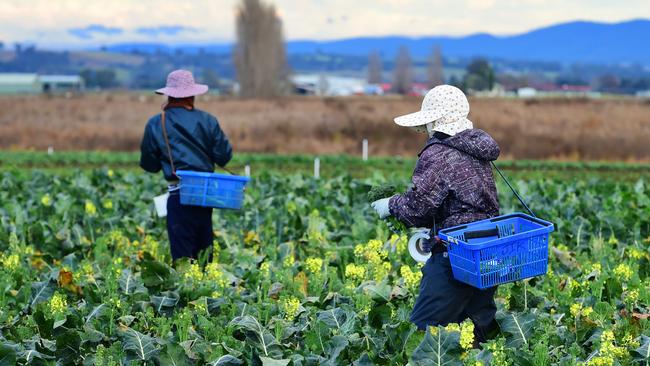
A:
434, 69
402, 73
259, 56
374, 68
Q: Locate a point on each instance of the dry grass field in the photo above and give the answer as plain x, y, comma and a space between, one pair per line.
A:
571, 129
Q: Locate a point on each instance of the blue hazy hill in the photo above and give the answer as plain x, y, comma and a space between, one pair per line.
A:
580, 41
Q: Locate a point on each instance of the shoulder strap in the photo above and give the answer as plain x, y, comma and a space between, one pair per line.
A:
169, 150
513, 190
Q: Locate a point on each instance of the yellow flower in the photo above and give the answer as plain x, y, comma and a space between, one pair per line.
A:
632, 295
381, 271
575, 309
411, 278
290, 307
193, 273
58, 304
587, 311
251, 237
214, 274
433, 330
373, 253
110, 173
265, 268
314, 265
107, 204
91, 210
115, 302
46, 200
467, 335
452, 327
596, 267
288, 260
499, 357
10, 262
630, 341
636, 253
354, 272
400, 242
201, 306
88, 272
623, 271
600, 361
608, 348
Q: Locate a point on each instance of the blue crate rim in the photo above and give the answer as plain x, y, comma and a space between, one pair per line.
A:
451, 241
189, 173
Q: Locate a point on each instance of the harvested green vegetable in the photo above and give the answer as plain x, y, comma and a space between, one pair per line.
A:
384, 191
381, 191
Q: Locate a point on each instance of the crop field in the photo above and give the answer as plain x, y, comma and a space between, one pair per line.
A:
305, 274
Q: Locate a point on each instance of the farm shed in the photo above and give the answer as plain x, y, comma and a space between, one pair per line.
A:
61, 83
15, 83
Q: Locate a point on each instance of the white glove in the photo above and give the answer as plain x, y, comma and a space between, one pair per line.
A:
381, 206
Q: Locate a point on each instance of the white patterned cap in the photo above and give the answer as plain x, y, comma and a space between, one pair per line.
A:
445, 106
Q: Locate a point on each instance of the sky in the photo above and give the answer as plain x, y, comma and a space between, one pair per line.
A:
91, 23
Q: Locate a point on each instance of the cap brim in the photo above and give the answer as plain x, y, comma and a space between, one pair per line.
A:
194, 90
418, 118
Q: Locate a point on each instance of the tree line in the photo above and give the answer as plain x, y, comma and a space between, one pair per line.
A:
261, 62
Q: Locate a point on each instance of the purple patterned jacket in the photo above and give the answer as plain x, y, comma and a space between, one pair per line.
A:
452, 183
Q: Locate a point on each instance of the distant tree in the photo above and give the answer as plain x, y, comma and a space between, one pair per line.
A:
210, 77
102, 78
608, 83
479, 76
453, 80
374, 68
402, 73
2, 46
435, 75
259, 56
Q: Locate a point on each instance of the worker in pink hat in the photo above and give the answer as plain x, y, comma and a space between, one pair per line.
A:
184, 138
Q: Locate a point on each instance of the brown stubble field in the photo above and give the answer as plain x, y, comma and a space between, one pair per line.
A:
568, 129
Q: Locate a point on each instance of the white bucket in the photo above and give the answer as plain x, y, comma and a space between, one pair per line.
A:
161, 204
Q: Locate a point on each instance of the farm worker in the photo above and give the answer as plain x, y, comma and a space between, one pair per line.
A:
452, 185
192, 140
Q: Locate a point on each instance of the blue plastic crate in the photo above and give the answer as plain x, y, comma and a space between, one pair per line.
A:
211, 189
502, 249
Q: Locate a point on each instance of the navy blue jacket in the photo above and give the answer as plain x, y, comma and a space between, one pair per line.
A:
196, 140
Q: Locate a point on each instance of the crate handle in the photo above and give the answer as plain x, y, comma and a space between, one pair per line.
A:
476, 234
532, 219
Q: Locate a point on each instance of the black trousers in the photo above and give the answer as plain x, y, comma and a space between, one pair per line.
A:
189, 228
443, 300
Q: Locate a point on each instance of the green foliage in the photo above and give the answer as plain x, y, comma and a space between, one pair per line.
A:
293, 280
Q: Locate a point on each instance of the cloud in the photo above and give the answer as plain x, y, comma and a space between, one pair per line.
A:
165, 30
89, 31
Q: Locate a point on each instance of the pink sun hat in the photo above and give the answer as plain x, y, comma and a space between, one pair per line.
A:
180, 84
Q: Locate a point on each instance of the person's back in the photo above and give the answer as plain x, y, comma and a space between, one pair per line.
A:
184, 138
195, 138
455, 172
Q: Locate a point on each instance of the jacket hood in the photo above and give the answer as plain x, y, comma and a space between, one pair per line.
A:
474, 142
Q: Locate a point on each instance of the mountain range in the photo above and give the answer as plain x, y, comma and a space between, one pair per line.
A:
573, 42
